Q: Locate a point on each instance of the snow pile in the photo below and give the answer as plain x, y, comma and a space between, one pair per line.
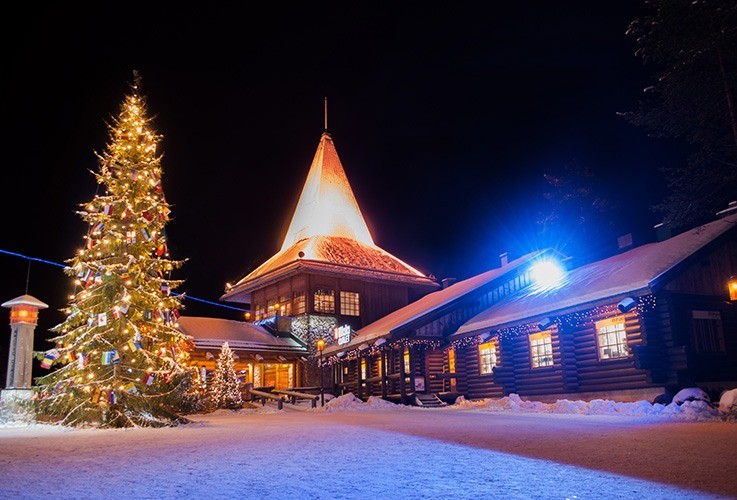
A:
728, 402
691, 394
689, 410
349, 402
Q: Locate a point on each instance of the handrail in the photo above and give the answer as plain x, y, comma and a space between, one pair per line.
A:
301, 395
263, 396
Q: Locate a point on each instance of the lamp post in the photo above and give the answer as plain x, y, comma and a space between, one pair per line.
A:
320, 347
23, 320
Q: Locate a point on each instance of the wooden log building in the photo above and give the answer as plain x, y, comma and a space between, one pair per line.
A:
655, 318
328, 273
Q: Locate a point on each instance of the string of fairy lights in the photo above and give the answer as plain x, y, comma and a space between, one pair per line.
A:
63, 266
563, 322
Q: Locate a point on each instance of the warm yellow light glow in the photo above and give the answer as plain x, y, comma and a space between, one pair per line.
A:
732, 285
327, 206
320, 344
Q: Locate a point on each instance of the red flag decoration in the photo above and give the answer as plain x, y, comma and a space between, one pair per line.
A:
130, 237
165, 288
148, 379
107, 210
116, 312
90, 243
98, 227
158, 187
147, 215
51, 356
102, 319
161, 249
124, 308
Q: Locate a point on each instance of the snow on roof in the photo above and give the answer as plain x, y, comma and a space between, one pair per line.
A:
431, 302
27, 300
327, 206
327, 226
211, 333
345, 255
636, 271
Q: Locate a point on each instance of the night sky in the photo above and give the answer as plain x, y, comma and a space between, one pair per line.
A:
445, 118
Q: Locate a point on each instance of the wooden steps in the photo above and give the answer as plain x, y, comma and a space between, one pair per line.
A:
428, 400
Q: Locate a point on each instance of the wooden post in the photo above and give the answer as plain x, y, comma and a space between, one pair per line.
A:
358, 376
411, 353
383, 374
402, 375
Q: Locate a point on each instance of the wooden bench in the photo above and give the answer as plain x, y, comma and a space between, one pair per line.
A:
254, 394
294, 396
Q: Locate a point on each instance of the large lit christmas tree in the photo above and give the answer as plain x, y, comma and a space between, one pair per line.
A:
123, 362
226, 392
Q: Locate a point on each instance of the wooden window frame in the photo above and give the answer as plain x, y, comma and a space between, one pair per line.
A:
542, 339
616, 326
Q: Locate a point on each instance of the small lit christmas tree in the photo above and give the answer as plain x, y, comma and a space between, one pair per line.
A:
123, 359
226, 392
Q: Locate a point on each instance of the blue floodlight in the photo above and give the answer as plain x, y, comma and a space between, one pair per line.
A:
547, 273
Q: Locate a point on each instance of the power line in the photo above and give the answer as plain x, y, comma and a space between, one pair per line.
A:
51, 263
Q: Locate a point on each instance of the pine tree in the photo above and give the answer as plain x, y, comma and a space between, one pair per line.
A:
226, 392
693, 47
123, 360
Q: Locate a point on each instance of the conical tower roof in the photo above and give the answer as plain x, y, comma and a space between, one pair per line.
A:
327, 206
328, 234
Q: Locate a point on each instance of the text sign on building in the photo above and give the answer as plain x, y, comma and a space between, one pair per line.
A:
343, 334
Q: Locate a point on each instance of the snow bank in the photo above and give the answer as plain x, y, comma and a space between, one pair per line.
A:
728, 402
692, 411
349, 402
691, 394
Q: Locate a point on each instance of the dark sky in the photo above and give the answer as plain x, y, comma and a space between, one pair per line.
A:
445, 115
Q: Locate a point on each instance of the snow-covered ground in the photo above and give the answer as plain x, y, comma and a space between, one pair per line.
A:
505, 448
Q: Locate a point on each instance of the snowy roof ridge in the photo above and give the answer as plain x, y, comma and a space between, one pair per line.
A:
432, 302
637, 271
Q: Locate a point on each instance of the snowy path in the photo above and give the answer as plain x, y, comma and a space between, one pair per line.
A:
405, 453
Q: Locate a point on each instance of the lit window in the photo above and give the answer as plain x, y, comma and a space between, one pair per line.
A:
452, 383
285, 305
270, 308
363, 368
406, 360
260, 312
324, 301
611, 338
488, 357
300, 302
349, 304
708, 334
541, 349
378, 366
